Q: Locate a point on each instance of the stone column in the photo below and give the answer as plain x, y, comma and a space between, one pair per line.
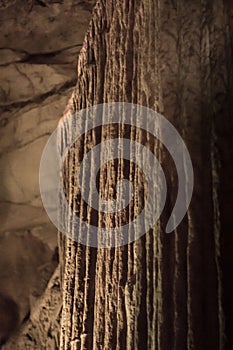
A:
161, 291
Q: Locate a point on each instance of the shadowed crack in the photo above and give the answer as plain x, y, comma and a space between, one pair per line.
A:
37, 58
40, 98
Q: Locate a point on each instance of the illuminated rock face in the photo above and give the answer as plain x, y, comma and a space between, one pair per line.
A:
162, 291
39, 45
37, 74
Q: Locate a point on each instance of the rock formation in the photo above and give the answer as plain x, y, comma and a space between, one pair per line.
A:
39, 45
161, 291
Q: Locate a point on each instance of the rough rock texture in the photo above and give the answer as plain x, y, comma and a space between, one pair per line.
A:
162, 291
39, 45
27, 266
38, 70
42, 329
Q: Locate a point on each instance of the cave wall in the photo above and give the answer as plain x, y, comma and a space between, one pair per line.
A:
159, 292
39, 45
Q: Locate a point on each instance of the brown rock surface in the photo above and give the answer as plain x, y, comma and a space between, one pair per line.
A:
41, 330
39, 45
161, 291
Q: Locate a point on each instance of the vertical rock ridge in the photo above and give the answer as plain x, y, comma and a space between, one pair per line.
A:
161, 291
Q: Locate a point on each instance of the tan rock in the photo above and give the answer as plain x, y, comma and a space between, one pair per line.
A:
8, 56
26, 262
17, 216
19, 172
36, 27
20, 127
27, 82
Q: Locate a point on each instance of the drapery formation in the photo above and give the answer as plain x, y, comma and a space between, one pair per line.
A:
161, 291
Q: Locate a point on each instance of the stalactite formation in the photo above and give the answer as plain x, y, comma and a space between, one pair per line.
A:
161, 291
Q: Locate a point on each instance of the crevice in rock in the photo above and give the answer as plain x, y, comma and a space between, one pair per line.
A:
41, 98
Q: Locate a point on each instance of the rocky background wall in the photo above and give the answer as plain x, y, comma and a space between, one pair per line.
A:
159, 292
39, 46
